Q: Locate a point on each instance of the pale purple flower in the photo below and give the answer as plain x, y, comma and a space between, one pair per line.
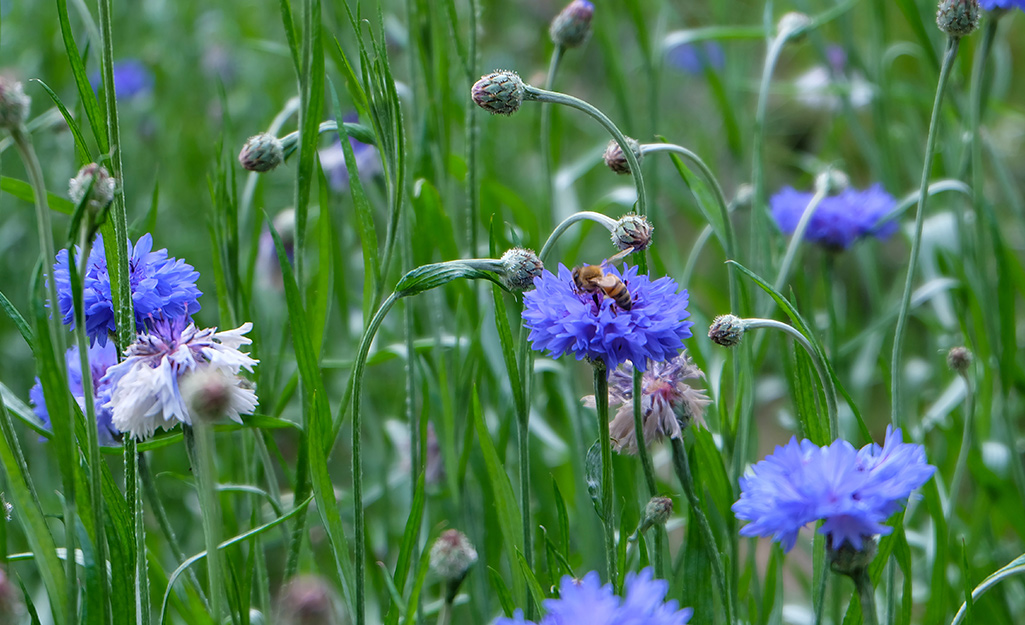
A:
668, 403
162, 286
853, 491
146, 385
101, 358
838, 220
563, 319
695, 58
587, 601
332, 160
131, 78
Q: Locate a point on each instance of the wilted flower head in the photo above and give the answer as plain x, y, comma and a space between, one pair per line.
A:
147, 384
839, 220
14, 104
668, 403
564, 319
262, 153
656, 512
958, 18
853, 491
572, 25
632, 232
102, 192
959, 359
101, 358
499, 93
452, 555
587, 601
695, 58
131, 78
162, 286
307, 600
520, 267
615, 158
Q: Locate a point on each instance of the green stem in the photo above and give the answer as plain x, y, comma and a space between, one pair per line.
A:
867, 595
966, 441
553, 97
606, 221
796, 239
546, 131
601, 400
916, 242
199, 446
683, 473
646, 463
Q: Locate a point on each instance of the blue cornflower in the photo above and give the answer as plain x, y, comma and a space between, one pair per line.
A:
150, 386
101, 357
563, 319
587, 601
840, 219
162, 286
991, 5
853, 491
694, 58
332, 160
131, 78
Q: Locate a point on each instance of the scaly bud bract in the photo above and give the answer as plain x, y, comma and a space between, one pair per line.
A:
520, 267
262, 153
14, 104
958, 18
572, 26
632, 231
500, 92
615, 159
727, 330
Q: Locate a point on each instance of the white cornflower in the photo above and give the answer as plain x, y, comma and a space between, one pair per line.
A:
147, 392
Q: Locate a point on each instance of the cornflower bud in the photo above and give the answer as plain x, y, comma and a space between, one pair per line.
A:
262, 153
307, 600
572, 26
14, 104
499, 93
452, 555
958, 18
615, 158
102, 192
520, 267
657, 512
208, 393
632, 231
959, 359
846, 560
727, 330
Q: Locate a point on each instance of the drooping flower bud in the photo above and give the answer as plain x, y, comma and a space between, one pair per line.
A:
262, 153
499, 93
846, 560
307, 600
632, 231
102, 192
958, 18
727, 330
13, 104
572, 26
452, 555
615, 159
520, 267
959, 359
792, 24
657, 512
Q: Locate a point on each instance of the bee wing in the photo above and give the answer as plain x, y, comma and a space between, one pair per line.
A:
607, 281
619, 256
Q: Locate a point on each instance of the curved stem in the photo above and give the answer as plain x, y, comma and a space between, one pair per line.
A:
758, 169
827, 382
543, 95
605, 220
916, 243
646, 464
546, 131
683, 473
601, 400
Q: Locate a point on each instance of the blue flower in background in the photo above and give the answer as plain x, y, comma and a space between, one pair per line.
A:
161, 287
587, 601
990, 5
332, 159
101, 357
853, 491
695, 58
562, 319
839, 220
131, 78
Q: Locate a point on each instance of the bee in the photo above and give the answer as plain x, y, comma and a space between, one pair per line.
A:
591, 278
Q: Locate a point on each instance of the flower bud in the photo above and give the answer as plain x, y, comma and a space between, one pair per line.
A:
262, 153
832, 181
727, 330
959, 359
452, 555
572, 26
307, 600
520, 267
958, 18
500, 92
792, 24
744, 194
850, 561
616, 159
208, 392
102, 193
657, 512
13, 104
632, 232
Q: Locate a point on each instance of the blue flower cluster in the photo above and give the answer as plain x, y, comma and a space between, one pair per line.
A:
101, 358
162, 286
587, 601
838, 220
853, 491
562, 319
991, 5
